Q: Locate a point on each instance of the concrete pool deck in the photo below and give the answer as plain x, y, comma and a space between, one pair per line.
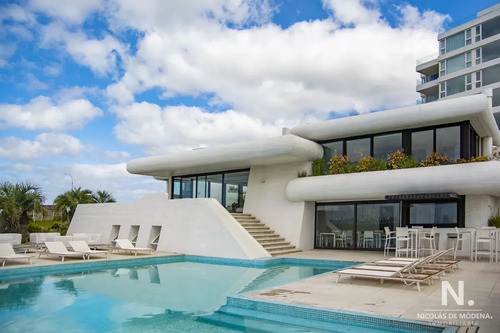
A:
392, 299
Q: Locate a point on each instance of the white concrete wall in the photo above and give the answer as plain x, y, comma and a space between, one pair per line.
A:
478, 209
266, 200
464, 179
190, 226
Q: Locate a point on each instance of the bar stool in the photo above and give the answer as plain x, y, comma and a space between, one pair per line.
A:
459, 239
389, 236
429, 237
485, 236
402, 238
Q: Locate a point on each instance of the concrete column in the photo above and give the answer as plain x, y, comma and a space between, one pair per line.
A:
487, 145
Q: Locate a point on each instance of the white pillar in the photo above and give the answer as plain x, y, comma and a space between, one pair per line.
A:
487, 145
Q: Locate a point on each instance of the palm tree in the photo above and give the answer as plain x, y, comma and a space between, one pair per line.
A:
103, 197
69, 200
16, 200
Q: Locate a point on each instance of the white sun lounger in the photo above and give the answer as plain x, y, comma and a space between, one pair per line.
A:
7, 253
82, 247
58, 249
126, 245
407, 274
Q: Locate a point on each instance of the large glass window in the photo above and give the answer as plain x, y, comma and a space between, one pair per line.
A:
371, 218
357, 149
236, 188
188, 187
448, 142
491, 75
434, 213
455, 85
422, 144
455, 42
496, 97
331, 149
491, 27
491, 51
228, 188
455, 63
335, 226
386, 144
214, 185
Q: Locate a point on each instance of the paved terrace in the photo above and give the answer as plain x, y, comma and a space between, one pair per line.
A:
394, 299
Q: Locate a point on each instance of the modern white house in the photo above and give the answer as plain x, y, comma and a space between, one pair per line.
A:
266, 178
468, 61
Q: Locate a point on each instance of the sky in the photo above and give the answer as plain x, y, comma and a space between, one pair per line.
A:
86, 86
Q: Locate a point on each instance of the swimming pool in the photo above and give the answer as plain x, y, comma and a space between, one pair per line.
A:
180, 296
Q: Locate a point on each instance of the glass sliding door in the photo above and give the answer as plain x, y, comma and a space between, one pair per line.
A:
214, 186
235, 184
188, 185
335, 226
201, 187
371, 218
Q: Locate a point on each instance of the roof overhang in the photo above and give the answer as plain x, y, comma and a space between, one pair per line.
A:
277, 150
476, 108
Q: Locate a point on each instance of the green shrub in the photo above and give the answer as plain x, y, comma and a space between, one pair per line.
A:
434, 159
302, 173
482, 158
399, 160
339, 165
318, 167
370, 164
494, 221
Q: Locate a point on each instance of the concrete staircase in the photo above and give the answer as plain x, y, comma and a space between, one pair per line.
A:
270, 240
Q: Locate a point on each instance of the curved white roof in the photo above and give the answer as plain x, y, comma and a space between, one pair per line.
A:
476, 108
283, 149
463, 179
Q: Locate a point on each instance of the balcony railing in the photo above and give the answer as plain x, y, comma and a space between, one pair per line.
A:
426, 59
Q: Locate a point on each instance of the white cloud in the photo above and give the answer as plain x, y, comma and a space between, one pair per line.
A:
179, 127
23, 167
157, 15
33, 83
310, 69
100, 55
45, 144
68, 11
42, 113
115, 156
354, 11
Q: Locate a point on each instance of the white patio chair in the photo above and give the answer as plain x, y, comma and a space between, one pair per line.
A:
429, 238
403, 241
389, 236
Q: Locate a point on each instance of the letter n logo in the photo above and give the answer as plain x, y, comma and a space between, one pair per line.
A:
447, 288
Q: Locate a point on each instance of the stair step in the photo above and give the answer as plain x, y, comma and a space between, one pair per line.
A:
277, 253
257, 227
271, 239
249, 224
280, 248
266, 236
271, 244
248, 220
260, 232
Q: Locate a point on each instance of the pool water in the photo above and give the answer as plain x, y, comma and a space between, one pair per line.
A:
167, 297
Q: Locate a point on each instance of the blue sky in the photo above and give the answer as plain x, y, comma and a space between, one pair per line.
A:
86, 86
